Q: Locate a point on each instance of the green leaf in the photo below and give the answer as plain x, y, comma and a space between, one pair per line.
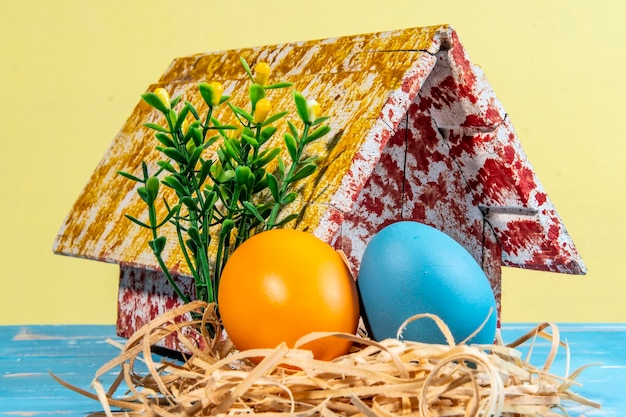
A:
164, 139
267, 133
158, 244
194, 234
292, 147
204, 171
156, 127
272, 184
174, 183
317, 133
281, 166
293, 129
175, 154
241, 112
173, 116
136, 221
253, 210
232, 150
193, 248
216, 171
271, 119
218, 126
210, 198
301, 106
310, 160
152, 188
190, 147
320, 120
252, 141
182, 116
190, 203
166, 166
287, 219
227, 226
224, 127
144, 169
265, 209
266, 157
154, 101
193, 110
256, 93
246, 67
303, 172
227, 175
260, 184
210, 141
193, 159
243, 175
143, 193
289, 198
222, 193
129, 176
248, 131
195, 132
282, 84
169, 215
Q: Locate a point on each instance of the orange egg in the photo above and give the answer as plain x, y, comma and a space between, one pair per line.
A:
282, 284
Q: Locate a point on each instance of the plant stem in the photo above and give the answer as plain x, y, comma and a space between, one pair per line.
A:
224, 242
292, 170
166, 272
190, 263
171, 281
205, 127
204, 270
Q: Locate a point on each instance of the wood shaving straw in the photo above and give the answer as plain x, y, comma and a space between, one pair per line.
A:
388, 378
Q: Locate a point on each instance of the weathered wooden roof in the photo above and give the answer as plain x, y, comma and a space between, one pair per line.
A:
366, 83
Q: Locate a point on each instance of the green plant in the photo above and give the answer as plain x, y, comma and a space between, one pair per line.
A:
226, 195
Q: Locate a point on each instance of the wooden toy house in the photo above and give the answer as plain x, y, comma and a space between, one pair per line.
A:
417, 133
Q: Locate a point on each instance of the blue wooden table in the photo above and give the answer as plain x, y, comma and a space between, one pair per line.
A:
28, 353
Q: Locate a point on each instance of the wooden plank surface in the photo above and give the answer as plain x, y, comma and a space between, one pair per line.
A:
28, 353
601, 344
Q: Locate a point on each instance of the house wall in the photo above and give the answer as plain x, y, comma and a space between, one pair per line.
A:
418, 179
143, 295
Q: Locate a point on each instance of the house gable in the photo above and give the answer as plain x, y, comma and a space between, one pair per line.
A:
463, 168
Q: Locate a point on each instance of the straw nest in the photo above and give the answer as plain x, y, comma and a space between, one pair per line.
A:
388, 378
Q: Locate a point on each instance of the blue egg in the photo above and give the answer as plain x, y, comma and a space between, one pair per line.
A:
410, 268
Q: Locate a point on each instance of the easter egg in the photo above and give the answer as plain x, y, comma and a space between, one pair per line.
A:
282, 284
410, 268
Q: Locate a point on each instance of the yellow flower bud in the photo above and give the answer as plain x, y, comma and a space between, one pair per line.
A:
314, 109
263, 108
262, 70
184, 126
164, 96
217, 90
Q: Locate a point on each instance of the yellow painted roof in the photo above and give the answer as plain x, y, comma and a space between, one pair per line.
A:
353, 78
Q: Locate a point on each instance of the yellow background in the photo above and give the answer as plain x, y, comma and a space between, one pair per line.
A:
72, 70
